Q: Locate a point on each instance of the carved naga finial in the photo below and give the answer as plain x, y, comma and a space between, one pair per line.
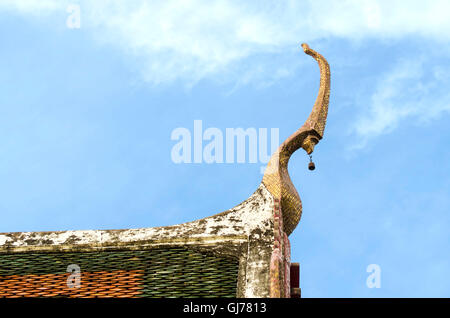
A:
318, 117
276, 177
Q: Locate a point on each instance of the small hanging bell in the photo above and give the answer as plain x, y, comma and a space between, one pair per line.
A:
311, 165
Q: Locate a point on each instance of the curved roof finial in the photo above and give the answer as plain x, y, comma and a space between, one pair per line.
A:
276, 177
318, 116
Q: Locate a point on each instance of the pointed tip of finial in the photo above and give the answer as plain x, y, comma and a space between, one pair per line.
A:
305, 47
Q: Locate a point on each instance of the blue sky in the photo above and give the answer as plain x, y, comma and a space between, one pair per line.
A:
86, 117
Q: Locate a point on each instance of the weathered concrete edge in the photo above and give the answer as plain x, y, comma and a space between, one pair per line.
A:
237, 222
236, 241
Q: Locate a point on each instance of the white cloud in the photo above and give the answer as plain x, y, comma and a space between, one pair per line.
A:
33, 7
413, 88
243, 43
193, 39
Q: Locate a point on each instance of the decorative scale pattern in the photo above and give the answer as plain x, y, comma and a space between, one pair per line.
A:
161, 272
318, 117
276, 177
